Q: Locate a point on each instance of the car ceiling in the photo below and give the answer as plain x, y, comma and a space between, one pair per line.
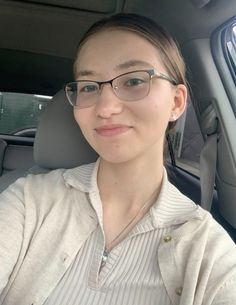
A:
39, 38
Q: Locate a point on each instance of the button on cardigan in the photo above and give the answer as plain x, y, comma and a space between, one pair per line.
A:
46, 219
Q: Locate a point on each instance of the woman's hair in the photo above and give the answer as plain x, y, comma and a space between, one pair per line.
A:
151, 31
167, 48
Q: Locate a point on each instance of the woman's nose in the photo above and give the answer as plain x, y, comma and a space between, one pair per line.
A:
108, 103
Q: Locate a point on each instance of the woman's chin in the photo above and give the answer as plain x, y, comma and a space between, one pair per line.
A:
116, 158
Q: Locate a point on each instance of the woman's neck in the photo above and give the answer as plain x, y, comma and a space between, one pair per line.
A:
127, 192
129, 184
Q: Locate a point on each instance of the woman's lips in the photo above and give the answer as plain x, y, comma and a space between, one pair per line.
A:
112, 130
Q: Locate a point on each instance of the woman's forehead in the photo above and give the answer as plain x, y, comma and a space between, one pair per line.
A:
117, 49
110, 37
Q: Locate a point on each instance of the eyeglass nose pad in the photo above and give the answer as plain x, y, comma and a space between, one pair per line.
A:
115, 88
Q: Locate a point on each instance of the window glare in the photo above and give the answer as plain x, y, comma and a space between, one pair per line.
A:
43, 96
234, 30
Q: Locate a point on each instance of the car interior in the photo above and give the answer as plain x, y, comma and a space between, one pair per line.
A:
38, 44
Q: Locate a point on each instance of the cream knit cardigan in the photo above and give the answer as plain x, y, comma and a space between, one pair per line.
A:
45, 219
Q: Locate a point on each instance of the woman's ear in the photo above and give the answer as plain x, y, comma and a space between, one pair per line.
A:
179, 102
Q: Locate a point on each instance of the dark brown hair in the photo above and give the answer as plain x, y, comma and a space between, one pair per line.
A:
150, 30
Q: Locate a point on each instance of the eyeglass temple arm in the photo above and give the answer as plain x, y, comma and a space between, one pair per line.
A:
163, 76
169, 79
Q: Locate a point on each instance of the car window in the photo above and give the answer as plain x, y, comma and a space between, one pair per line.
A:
20, 113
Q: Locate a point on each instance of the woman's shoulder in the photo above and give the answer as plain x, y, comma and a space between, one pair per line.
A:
56, 176
50, 185
199, 223
204, 232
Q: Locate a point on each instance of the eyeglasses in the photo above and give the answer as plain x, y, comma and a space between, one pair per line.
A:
130, 86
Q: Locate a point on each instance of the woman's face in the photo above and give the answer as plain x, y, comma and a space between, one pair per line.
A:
118, 130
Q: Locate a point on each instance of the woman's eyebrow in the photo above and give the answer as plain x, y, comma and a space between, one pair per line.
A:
121, 66
132, 63
84, 73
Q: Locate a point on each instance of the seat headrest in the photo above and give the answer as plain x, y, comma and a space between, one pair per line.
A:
59, 142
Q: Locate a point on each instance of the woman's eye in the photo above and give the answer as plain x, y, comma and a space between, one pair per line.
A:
88, 88
134, 82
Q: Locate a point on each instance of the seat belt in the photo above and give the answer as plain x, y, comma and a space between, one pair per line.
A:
208, 157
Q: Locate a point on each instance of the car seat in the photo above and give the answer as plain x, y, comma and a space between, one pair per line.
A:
59, 142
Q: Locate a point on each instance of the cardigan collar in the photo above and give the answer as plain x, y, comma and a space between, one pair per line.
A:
171, 207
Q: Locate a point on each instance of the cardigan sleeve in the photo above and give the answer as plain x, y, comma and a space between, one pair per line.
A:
221, 287
11, 229
227, 293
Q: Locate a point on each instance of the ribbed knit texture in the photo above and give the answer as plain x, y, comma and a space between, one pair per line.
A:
131, 275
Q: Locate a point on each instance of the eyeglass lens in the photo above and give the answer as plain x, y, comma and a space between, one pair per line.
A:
128, 87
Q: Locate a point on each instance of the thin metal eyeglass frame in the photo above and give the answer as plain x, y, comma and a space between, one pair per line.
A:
152, 73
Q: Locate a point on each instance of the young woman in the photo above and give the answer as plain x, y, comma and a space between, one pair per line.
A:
116, 232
